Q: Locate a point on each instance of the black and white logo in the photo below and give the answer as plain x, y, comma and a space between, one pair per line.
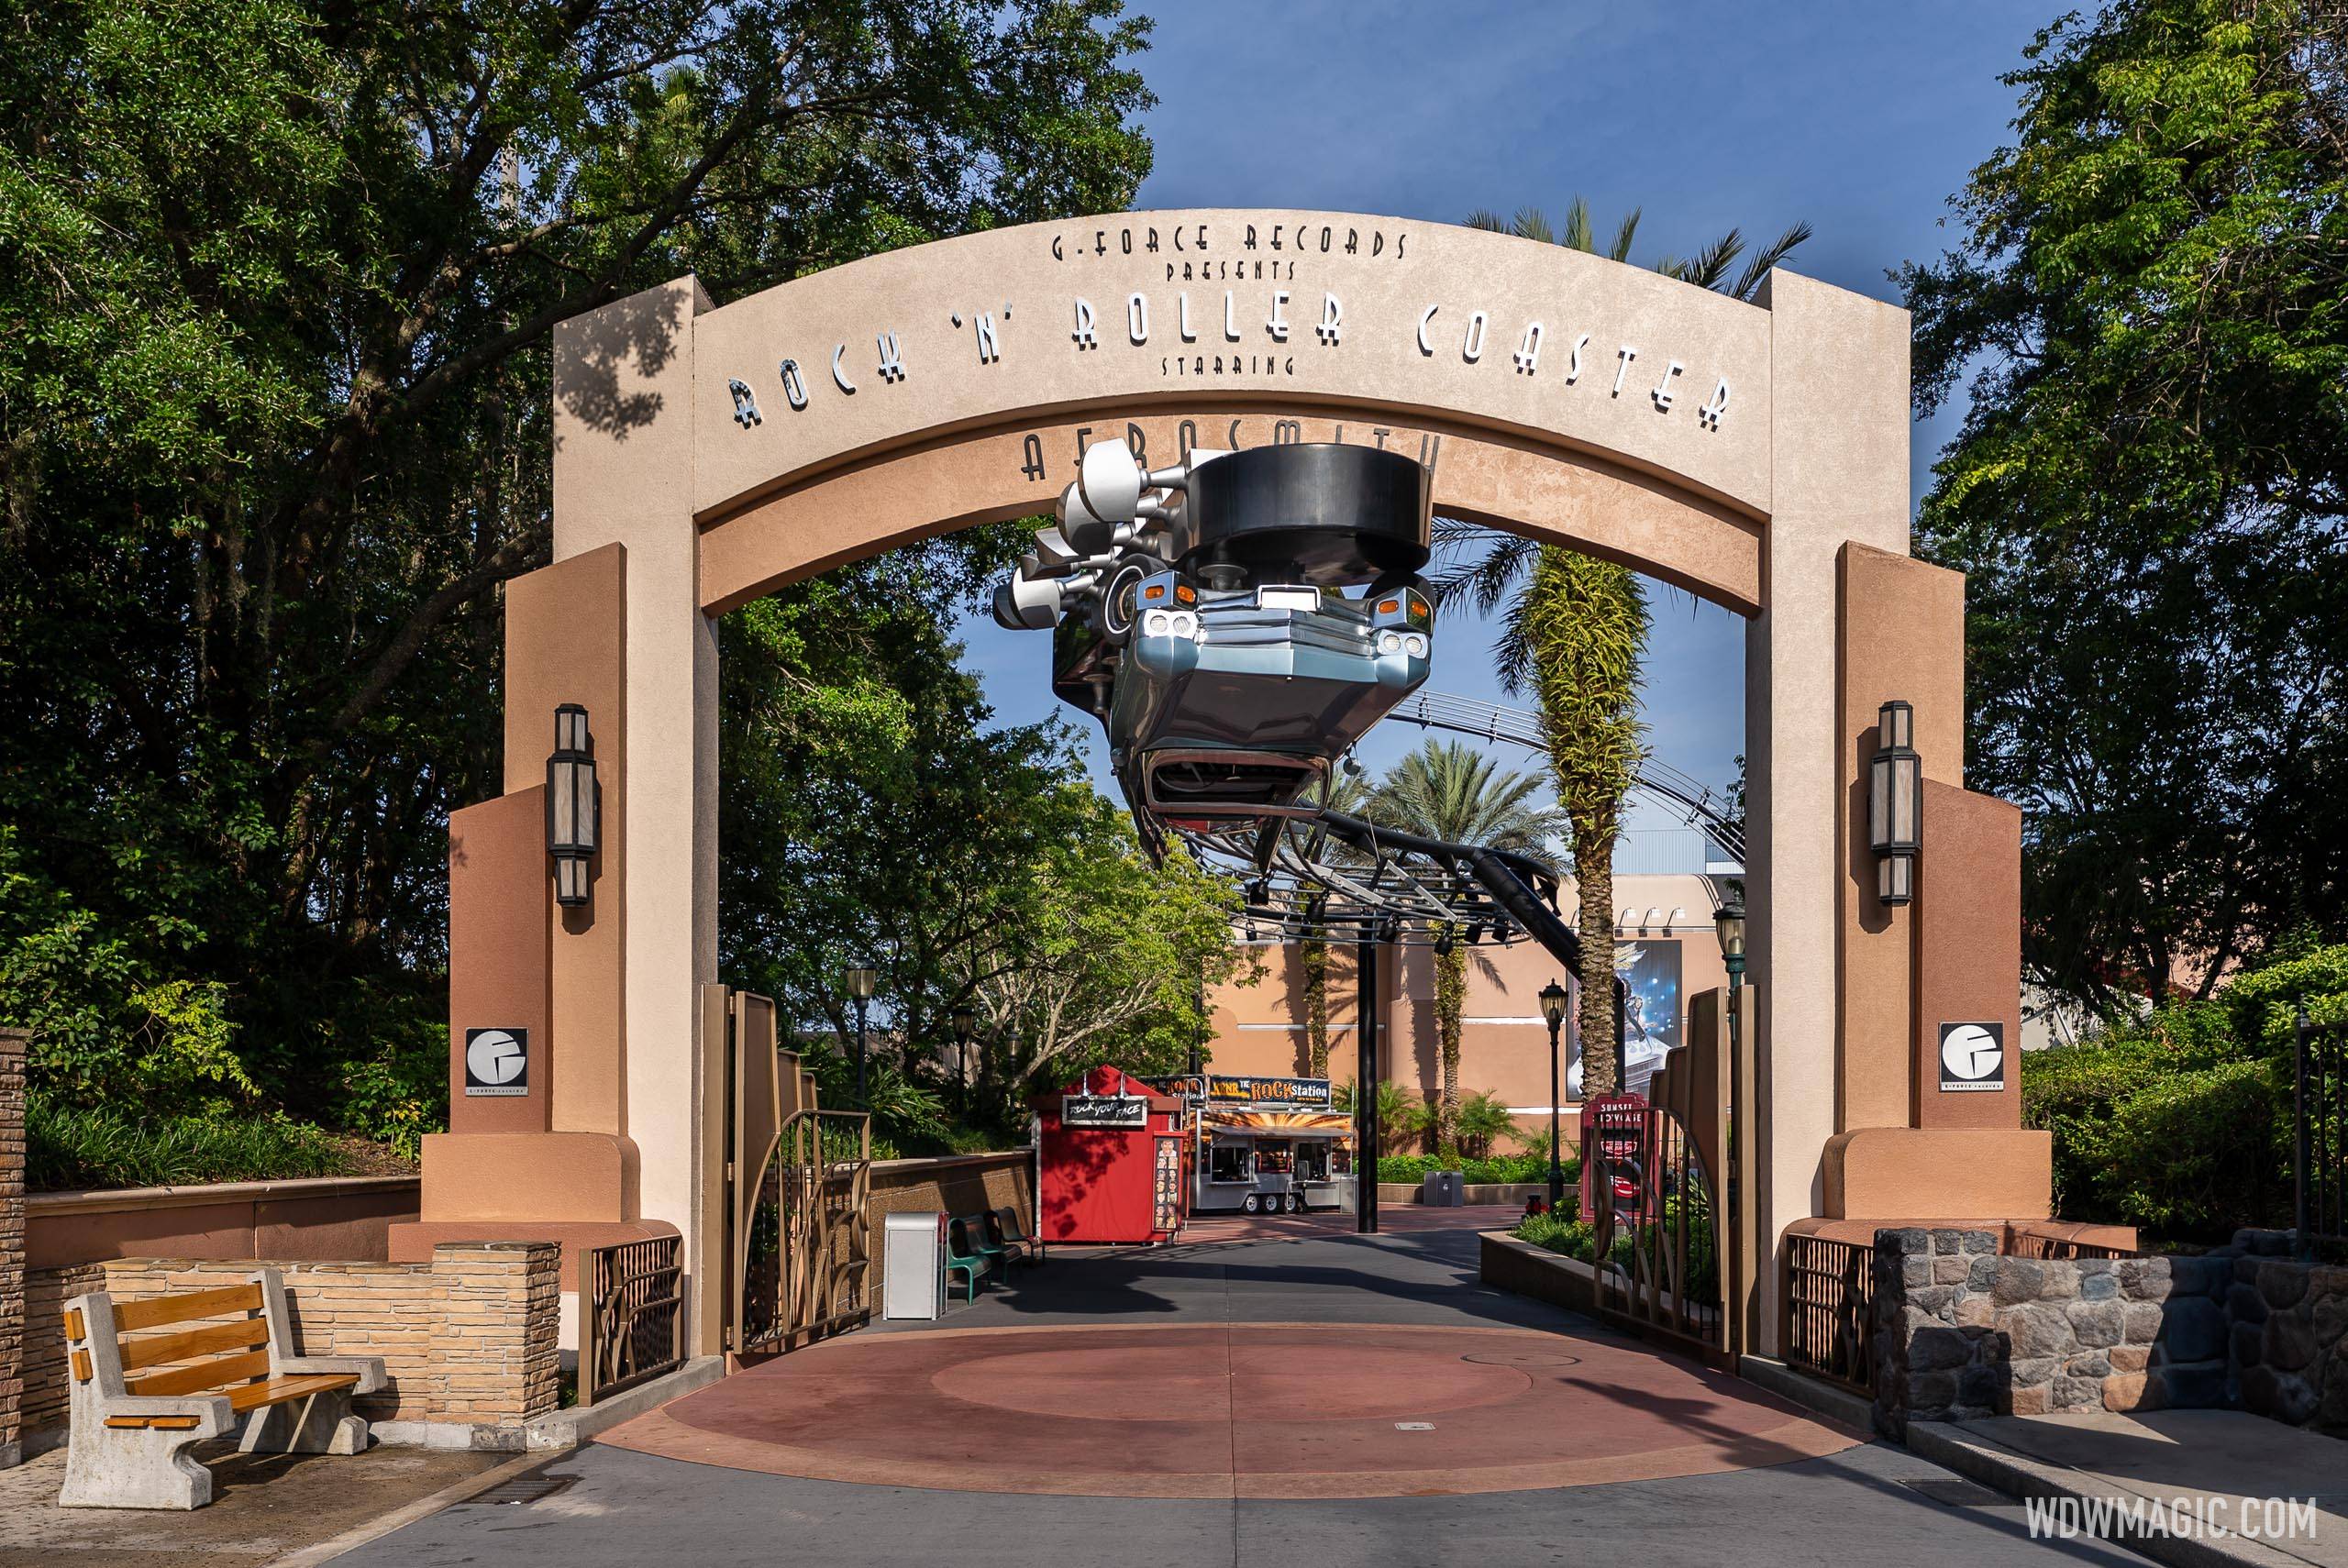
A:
1973, 1058
497, 1061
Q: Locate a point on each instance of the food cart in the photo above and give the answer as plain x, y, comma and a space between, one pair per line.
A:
1269, 1146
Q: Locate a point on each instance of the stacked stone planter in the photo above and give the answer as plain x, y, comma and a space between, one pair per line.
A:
1961, 1332
2288, 1339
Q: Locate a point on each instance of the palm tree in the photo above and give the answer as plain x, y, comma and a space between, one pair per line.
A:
1343, 793
1577, 632
1447, 790
1583, 623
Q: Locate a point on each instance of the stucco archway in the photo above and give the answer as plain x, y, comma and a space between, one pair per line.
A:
1754, 454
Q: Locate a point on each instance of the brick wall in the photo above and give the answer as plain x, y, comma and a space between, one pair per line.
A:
955, 1185
469, 1338
1961, 1332
12, 1244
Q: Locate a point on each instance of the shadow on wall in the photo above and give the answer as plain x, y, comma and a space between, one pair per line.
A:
640, 334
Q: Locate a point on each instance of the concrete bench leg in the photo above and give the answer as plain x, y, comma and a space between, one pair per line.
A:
320, 1423
113, 1467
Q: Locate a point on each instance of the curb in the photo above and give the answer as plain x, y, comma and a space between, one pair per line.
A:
1841, 1406
568, 1428
406, 1514
2018, 1475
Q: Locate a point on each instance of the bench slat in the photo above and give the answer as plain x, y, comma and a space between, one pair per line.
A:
255, 1396
199, 1376
181, 1306
210, 1339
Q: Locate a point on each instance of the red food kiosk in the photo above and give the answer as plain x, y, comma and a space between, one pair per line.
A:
1110, 1161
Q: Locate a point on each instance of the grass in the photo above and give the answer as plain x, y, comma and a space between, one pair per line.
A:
68, 1147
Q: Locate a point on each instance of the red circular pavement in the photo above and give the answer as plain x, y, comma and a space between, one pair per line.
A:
1250, 1410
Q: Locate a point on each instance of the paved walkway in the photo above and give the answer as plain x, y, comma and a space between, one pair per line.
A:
1304, 1350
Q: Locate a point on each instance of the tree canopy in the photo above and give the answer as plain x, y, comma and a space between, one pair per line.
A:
2149, 309
278, 282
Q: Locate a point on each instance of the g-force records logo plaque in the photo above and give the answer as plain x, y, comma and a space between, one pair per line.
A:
497, 1062
1973, 1058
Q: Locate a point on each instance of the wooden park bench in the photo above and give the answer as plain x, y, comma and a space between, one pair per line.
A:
140, 1401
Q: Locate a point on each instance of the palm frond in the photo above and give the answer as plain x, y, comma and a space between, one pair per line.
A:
1748, 281
1621, 249
1488, 580
1578, 233
1531, 223
1485, 218
1710, 265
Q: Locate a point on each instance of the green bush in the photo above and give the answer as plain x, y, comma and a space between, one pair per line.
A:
2196, 1155
89, 1147
1499, 1170
1572, 1236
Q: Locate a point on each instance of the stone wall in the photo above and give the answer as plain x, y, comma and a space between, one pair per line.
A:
2287, 1331
955, 1185
11, 1245
1963, 1333
468, 1339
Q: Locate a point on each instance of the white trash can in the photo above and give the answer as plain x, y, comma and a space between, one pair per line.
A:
912, 1259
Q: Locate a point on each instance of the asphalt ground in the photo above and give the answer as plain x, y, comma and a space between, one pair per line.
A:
611, 1504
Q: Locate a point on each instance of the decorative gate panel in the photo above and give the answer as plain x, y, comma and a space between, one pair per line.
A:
798, 1197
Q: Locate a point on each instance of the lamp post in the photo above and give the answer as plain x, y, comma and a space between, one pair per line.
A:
1895, 803
862, 980
1728, 921
964, 1021
1553, 1008
574, 805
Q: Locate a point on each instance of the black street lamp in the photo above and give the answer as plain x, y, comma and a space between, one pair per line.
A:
1895, 803
574, 805
1553, 1008
964, 1021
1729, 921
862, 980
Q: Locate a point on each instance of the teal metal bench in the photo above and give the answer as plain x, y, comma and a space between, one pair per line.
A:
974, 1229
1002, 1229
961, 1253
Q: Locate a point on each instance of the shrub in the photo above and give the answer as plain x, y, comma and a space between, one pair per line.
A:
1566, 1234
2196, 1155
94, 1147
1499, 1170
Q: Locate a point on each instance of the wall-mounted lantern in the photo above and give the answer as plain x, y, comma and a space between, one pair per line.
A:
574, 805
1896, 803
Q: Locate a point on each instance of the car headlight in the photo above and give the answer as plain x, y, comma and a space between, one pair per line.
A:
1183, 623
1415, 646
1156, 623
1389, 642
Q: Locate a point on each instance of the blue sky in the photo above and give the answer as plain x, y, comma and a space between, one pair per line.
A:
1862, 118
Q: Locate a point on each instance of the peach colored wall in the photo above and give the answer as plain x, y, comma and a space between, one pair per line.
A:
500, 899
1903, 637
565, 642
331, 1217
1504, 1042
1969, 947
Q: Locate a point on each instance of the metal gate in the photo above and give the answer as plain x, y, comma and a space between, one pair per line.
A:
1669, 1264
798, 1189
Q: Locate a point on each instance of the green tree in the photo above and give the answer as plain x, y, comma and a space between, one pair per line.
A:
1575, 631
1447, 790
2148, 309
279, 282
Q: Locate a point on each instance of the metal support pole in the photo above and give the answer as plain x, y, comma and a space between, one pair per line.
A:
2301, 1233
1556, 1090
860, 1100
1621, 1042
1365, 1085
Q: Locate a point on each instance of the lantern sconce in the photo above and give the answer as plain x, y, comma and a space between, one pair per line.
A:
1896, 803
574, 805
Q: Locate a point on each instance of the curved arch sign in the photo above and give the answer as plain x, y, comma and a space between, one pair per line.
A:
1756, 454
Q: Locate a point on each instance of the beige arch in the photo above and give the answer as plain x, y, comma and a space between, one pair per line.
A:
1754, 454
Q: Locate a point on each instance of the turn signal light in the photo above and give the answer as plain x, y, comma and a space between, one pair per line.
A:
1388, 606
1186, 593
1155, 591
